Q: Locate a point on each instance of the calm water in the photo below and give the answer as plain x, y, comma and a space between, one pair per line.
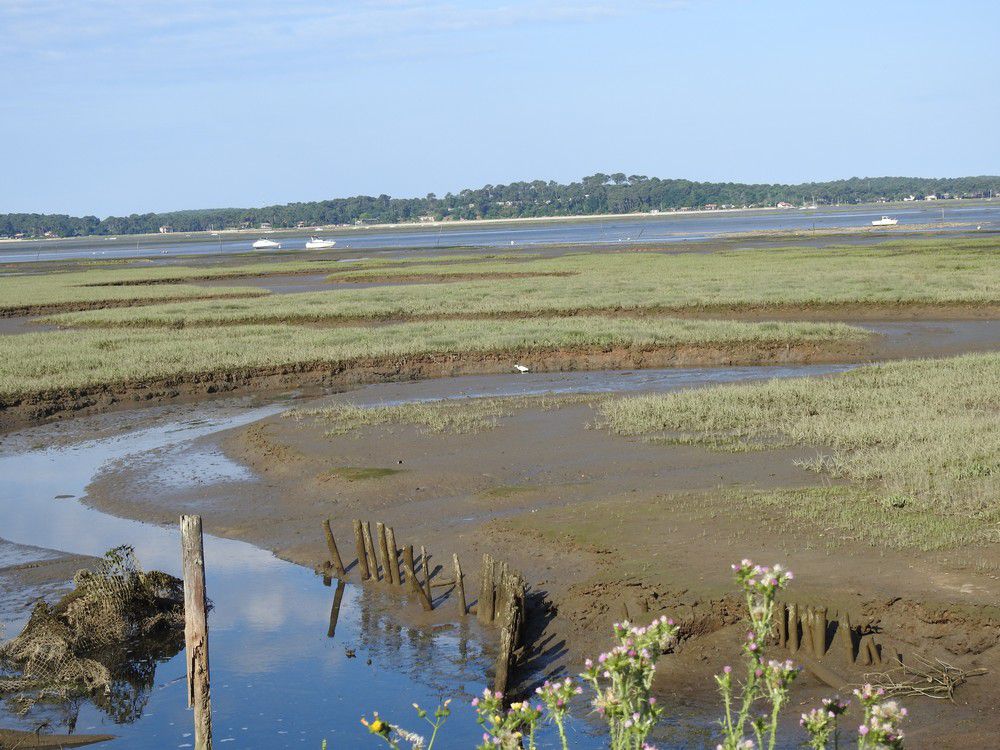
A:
658, 228
279, 678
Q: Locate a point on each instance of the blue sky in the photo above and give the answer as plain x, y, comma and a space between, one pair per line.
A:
120, 106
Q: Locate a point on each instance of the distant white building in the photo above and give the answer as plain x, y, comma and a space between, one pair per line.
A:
166, 229
930, 197
265, 225
427, 219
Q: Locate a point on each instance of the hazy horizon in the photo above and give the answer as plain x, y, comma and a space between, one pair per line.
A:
118, 108
476, 187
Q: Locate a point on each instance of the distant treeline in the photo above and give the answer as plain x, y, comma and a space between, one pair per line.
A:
597, 194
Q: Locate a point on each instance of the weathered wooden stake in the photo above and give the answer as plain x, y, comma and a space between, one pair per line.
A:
847, 638
383, 547
819, 632
331, 545
411, 576
359, 550
793, 628
864, 656
511, 619
806, 618
335, 609
370, 551
393, 557
427, 571
500, 589
782, 611
484, 606
196, 630
876, 657
460, 585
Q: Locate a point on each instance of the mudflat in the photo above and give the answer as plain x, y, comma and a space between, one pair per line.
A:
603, 527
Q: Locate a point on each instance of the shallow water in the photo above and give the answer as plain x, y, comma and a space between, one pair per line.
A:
566, 383
278, 679
669, 227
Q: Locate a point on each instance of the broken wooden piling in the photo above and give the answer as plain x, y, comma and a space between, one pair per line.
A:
411, 576
427, 570
359, 550
196, 630
370, 551
383, 546
793, 628
484, 605
393, 557
511, 591
846, 637
331, 545
819, 632
459, 586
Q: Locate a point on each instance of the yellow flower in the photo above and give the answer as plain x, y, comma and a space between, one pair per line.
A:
378, 726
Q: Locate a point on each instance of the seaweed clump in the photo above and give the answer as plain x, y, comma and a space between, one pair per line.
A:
101, 641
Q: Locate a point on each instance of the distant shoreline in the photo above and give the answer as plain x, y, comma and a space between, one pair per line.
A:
466, 223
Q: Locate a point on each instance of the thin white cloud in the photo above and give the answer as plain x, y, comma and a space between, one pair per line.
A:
46, 28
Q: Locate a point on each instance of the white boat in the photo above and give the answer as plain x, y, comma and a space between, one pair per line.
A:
885, 221
315, 243
266, 245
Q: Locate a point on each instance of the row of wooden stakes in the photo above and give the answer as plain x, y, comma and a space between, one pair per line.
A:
387, 570
807, 628
502, 591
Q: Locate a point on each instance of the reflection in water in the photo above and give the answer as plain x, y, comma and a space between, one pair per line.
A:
277, 679
101, 641
290, 667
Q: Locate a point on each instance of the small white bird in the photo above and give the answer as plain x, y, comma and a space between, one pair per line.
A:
520, 368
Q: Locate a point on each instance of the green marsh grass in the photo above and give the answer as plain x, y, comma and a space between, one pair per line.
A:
35, 363
939, 272
361, 473
457, 416
923, 437
55, 290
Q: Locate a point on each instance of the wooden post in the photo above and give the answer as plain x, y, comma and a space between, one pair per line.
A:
383, 546
460, 585
393, 557
411, 576
864, 656
484, 607
806, 618
819, 632
359, 550
370, 551
511, 619
196, 630
331, 545
335, 609
793, 628
500, 588
876, 657
427, 571
846, 637
782, 612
